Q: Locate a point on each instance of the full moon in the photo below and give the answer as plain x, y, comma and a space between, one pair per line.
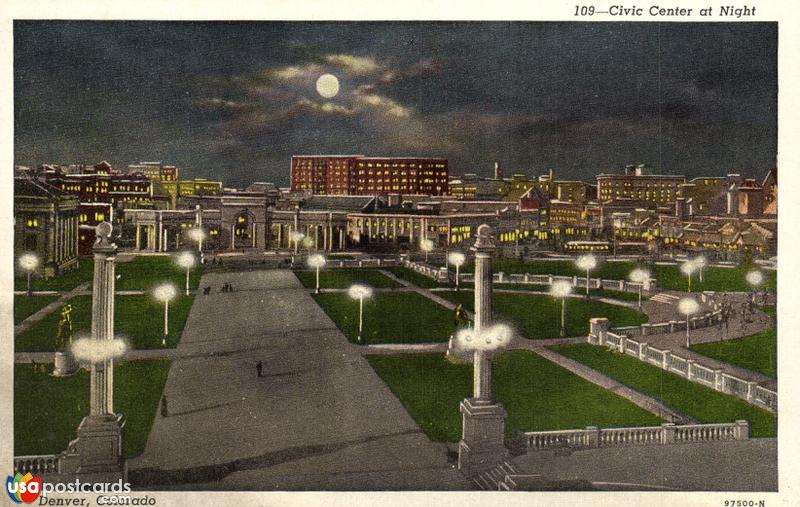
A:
327, 85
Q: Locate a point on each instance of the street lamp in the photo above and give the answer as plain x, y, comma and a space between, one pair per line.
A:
586, 263
197, 234
29, 262
165, 292
186, 260
687, 268
561, 289
701, 262
457, 259
491, 338
755, 278
308, 243
316, 262
297, 237
688, 307
426, 245
640, 276
360, 292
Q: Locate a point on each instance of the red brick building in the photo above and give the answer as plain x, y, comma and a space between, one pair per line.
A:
359, 175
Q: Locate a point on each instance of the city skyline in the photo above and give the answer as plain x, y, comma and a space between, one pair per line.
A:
234, 101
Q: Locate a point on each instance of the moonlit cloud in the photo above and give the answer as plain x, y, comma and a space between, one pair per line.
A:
358, 65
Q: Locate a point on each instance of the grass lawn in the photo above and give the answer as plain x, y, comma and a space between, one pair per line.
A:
756, 352
344, 278
47, 410
138, 318
669, 277
412, 276
25, 306
145, 272
390, 317
65, 281
538, 316
694, 400
537, 394
631, 297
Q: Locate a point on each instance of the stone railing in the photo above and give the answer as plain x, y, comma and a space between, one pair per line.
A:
370, 262
709, 318
440, 274
38, 465
716, 379
667, 433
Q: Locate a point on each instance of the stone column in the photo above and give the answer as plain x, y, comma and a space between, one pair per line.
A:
96, 455
482, 443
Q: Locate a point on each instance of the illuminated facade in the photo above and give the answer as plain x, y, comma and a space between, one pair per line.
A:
359, 175
155, 171
635, 184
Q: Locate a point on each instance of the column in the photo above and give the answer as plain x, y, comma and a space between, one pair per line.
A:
138, 238
482, 444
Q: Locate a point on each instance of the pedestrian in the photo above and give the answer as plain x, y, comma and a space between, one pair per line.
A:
259, 366
164, 406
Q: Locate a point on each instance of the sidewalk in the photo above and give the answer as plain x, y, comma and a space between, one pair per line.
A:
47, 310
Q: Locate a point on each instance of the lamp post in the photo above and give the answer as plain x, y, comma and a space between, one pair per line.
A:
688, 306
457, 259
308, 243
560, 289
687, 268
755, 279
586, 263
186, 260
164, 293
29, 262
197, 235
297, 237
426, 245
316, 262
360, 292
639, 276
700, 263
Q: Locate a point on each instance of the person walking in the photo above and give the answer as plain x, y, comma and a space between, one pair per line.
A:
259, 366
164, 411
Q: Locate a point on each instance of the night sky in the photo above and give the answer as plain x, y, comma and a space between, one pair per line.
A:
235, 100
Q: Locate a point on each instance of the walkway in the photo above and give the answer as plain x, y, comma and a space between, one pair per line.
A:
47, 310
319, 419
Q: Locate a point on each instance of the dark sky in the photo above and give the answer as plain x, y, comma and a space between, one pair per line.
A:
236, 100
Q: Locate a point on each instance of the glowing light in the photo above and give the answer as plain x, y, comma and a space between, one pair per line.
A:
165, 292
298, 236
689, 267
358, 291
560, 289
426, 245
700, 262
316, 261
28, 261
196, 234
491, 338
98, 351
186, 260
688, 306
639, 275
456, 258
328, 85
586, 262
755, 278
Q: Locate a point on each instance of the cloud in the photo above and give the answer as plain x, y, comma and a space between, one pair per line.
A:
383, 104
356, 65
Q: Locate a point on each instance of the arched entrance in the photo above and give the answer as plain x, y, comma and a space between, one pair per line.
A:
244, 230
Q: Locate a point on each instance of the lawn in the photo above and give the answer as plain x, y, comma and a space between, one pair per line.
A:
694, 400
344, 278
756, 352
63, 282
538, 316
25, 306
145, 272
619, 295
538, 395
47, 410
390, 317
138, 318
668, 276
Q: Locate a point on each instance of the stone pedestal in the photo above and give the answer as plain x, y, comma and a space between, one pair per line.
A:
482, 444
64, 365
96, 455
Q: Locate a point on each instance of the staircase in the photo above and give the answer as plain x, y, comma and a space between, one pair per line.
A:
495, 478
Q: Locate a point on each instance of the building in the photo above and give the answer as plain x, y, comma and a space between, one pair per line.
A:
359, 175
636, 183
46, 224
474, 187
155, 171
173, 190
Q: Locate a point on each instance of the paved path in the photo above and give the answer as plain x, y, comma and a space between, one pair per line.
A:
747, 465
319, 419
47, 310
